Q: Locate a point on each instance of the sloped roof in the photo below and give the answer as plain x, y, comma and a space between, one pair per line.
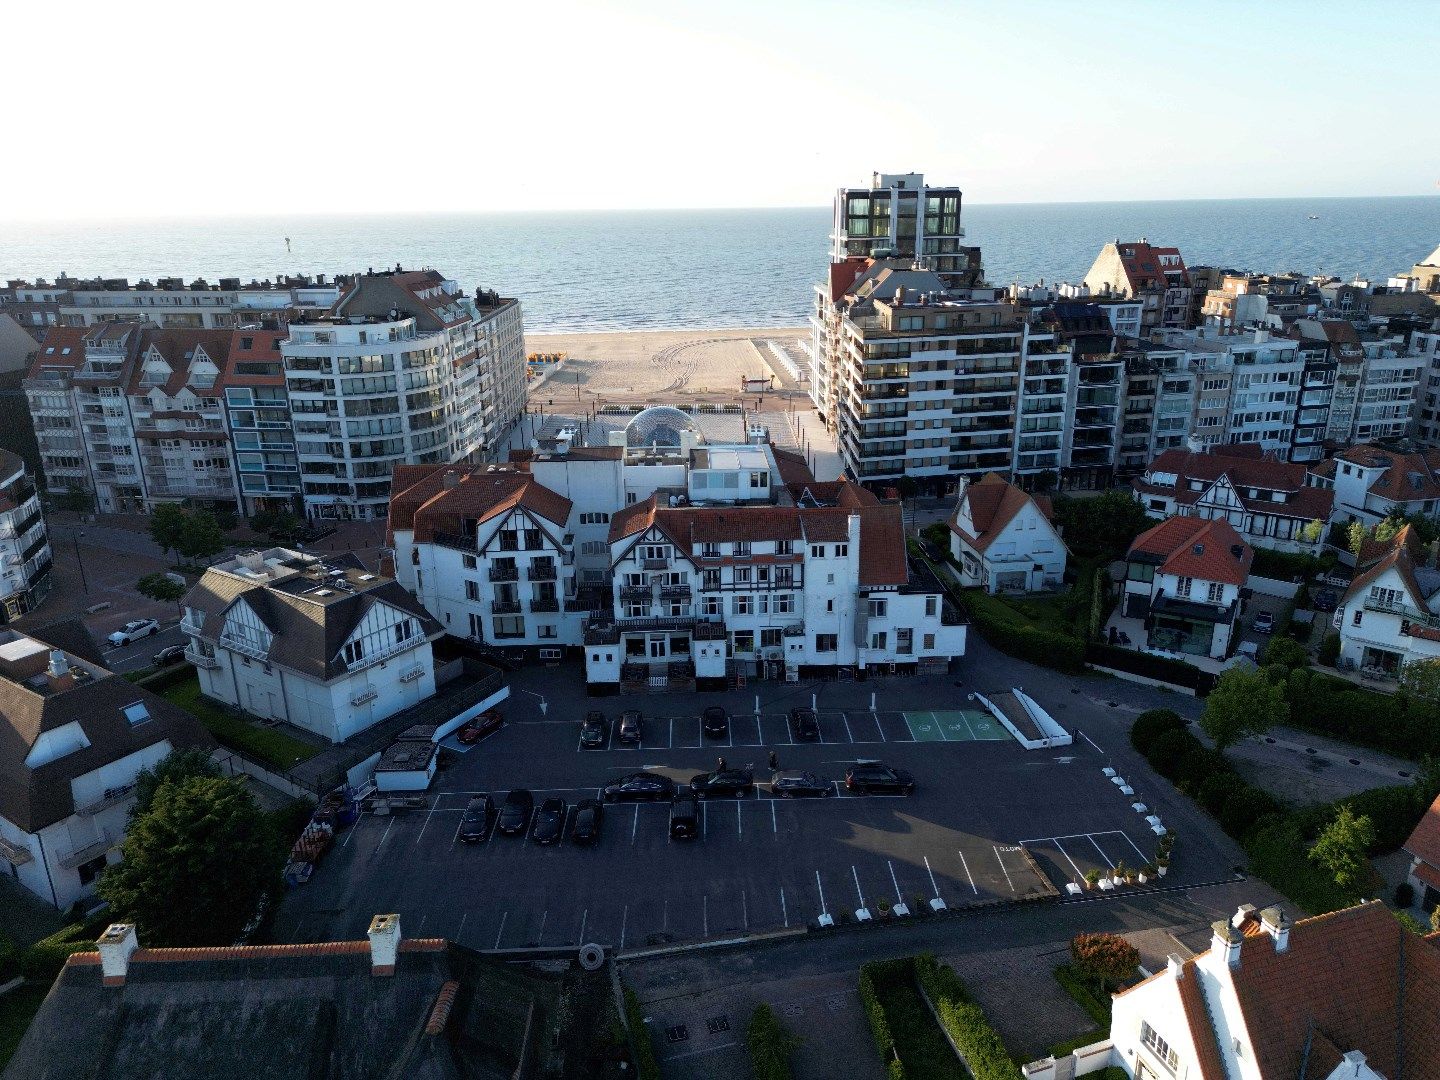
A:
993, 503
792, 465
1197, 548
1424, 841
264, 348
456, 496
1244, 465
177, 348
1407, 476
281, 1011
1399, 557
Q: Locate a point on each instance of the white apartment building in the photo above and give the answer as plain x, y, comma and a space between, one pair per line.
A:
171, 304
321, 644
1183, 578
1004, 539
900, 215
1425, 345
1372, 483
1342, 996
25, 557
405, 368
77, 735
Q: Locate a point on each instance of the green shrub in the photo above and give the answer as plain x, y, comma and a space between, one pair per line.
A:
646, 1065
1151, 724
1244, 807
9, 959
161, 679
965, 1022
1393, 811
1084, 994
770, 1043
1277, 851
1161, 668
1007, 630
1329, 650
1214, 790
46, 957
1168, 749
879, 1023
1197, 765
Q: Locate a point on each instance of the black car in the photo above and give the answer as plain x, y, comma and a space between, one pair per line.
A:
876, 776
549, 821
629, 727
639, 787
1324, 600
723, 783
685, 817
171, 654
594, 731
515, 813
805, 724
715, 722
475, 822
586, 827
800, 785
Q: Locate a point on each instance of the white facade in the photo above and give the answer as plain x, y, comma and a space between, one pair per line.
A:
1387, 620
25, 556
173, 305
1024, 554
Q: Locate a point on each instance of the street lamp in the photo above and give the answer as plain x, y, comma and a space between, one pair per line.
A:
75, 539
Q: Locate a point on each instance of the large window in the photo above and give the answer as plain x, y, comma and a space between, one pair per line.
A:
826, 642
1158, 1046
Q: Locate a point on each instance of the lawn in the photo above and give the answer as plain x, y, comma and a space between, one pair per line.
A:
918, 1039
1065, 612
17, 1009
267, 744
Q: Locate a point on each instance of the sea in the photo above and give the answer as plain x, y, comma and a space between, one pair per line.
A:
583, 271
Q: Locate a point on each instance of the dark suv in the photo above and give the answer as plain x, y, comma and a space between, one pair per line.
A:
715, 722
475, 822
875, 776
594, 731
805, 724
685, 817
629, 732
515, 813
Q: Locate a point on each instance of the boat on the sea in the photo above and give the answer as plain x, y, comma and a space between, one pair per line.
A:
1314, 217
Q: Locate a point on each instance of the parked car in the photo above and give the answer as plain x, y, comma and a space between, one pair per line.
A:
594, 731
723, 783
715, 722
515, 813
685, 817
549, 821
796, 784
171, 654
134, 631
630, 731
475, 821
865, 777
1264, 623
639, 787
805, 724
585, 829
472, 731
1324, 600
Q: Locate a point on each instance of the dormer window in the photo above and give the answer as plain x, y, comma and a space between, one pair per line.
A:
742, 547
137, 713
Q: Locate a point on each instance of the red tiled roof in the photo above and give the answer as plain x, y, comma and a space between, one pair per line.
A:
882, 547
264, 349
175, 346
1424, 841
1197, 1019
1407, 476
1197, 548
52, 354
479, 496
1400, 557
1144, 265
993, 503
792, 465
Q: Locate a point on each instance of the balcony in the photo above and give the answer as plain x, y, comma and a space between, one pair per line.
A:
364, 697
674, 592
545, 603
14, 854
501, 572
541, 571
1426, 619
655, 564
188, 627
795, 630
455, 541
505, 607
112, 797
414, 673
81, 855
604, 629
391, 649
200, 660
245, 648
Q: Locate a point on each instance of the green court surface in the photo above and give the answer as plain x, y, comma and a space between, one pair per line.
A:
967, 725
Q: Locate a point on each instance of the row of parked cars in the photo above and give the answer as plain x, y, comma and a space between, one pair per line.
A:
517, 815
714, 724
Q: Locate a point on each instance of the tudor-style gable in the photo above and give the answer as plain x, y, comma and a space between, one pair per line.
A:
382, 631
245, 631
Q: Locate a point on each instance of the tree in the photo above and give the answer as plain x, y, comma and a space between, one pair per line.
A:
1311, 533
167, 525
1105, 959
160, 587
200, 538
1243, 703
175, 767
76, 500
1421, 678
1342, 847
194, 865
1285, 653
1103, 525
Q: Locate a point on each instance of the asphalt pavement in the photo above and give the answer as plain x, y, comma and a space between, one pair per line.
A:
139, 655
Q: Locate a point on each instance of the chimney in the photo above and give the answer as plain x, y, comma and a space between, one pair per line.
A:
384, 944
1175, 964
1243, 914
58, 672
1277, 926
1225, 943
451, 480
115, 945
1353, 1064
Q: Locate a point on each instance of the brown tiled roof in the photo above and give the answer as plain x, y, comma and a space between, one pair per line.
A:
993, 503
479, 495
52, 352
411, 487
1242, 464
792, 465
1424, 842
1197, 1019
1400, 557
1407, 476
1197, 548
264, 348
882, 547
174, 346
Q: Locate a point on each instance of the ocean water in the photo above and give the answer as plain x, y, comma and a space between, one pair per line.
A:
621, 270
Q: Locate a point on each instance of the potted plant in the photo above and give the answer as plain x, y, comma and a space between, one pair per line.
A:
1147, 872
1119, 872
883, 904
1092, 878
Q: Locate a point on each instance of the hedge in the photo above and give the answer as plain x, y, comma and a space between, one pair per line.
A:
1001, 627
165, 677
46, 957
879, 1024
646, 1065
1083, 994
268, 745
964, 1021
1290, 565
770, 1044
1400, 724
1161, 668
1151, 724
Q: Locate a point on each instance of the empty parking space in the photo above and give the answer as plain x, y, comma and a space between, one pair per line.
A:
1069, 858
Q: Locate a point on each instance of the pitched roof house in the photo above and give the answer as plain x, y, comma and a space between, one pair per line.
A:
1390, 614
1423, 847
1372, 482
1183, 578
1005, 539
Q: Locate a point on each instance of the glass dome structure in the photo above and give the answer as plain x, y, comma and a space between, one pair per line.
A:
661, 425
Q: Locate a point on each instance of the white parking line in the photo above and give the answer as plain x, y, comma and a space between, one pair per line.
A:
428, 816
848, 733
967, 724
702, 1050
932, 876
624, 918
739, 823
634, 825
498, 933
1071, 861
784, 911
899, 898
1003, 870
939, 727
1143, 857
704, 820
745, 908
1102, 852
705, 914
969, 876
875, 717
543, 919
856, 875
1089, 740
351, 832
774, 828
821, 888
463, 916
386, 832
584, 915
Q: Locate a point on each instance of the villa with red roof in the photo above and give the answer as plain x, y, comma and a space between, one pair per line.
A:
1423, 847
1388, 617
1183, 579
1004, 539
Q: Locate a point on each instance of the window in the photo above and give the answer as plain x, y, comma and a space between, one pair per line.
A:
932, 606
543, 631
742, 575
709, 551
744, 641
1158, 1046
468, 561
904, 641
89, 871
710, 579
742, 547
787, 547
657, 552
784, 604
712, 605
842, 551
1140, 572
770, 639
1217, 592
595, 518
878, 608
404, 630
826, 642
137, 714
1356, 620
928, 642
817, 551
353, 652
877, 640
472, 590
741, 604
1182, 587
1386, 596
592, 547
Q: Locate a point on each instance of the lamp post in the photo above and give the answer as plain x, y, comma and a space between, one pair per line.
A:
75, 539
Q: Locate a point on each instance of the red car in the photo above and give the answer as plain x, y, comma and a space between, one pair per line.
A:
474, 730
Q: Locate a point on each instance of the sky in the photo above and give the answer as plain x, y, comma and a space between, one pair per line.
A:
159, 108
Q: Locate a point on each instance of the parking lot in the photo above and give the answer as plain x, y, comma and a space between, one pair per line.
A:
990, 822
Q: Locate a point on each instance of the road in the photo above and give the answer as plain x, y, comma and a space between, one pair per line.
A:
137, 657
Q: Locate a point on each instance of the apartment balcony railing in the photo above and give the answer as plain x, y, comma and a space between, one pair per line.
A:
245, 648
636, 592
795, 630
15, 854
200, 660
365, 696
674, 592
81, 855
392, 649
655, 564
545, 603
188, 627
416, 672
1427, 619
112, 797
454, 541
504, 607
541, 571
504, 573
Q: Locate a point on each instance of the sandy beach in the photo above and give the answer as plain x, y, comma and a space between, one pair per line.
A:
667, 365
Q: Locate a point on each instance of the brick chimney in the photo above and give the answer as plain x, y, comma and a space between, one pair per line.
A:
115, 945
1225, 943
384, 944
1277, 926
58, 672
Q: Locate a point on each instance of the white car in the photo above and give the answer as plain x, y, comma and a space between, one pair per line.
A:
134, 631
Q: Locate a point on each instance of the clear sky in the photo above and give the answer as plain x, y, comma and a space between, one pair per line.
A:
195, 108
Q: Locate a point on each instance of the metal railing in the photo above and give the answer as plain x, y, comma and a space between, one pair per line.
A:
541, 571
200, 660
112, 797
82, 855
504, 573
504, 607
14, 854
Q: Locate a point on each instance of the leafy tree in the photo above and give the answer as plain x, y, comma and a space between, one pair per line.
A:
276, 524
194, 865
1101, 526
1386, 529
1286, 653
1330, 649
1435, 917
160, 587
167, 525
76, 500
174, 768
1243, 703
1309, 534
1045, 482
1341, 848
1421, 678
1105, 959
200, 537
